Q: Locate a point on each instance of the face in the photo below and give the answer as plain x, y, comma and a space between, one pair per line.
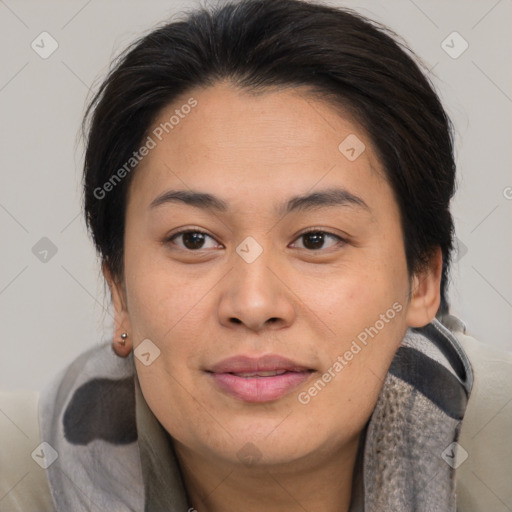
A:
275, 318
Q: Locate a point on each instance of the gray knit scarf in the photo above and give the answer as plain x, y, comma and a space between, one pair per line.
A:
114, 455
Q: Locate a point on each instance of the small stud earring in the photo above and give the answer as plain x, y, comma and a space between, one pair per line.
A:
123, 339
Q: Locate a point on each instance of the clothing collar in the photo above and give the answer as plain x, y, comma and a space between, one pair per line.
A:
113, 453
163, 483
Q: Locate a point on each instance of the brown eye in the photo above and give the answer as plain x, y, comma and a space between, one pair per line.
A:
192, 240
315, 240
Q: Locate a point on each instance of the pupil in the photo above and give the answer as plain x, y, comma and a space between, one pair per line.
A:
193, 240
318, 240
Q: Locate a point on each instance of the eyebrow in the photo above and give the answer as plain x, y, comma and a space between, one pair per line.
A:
321, 199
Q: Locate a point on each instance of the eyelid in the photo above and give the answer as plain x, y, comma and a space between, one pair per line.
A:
317, 229
184, 231
343, 239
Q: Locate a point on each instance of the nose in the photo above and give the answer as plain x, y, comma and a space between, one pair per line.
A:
256, 295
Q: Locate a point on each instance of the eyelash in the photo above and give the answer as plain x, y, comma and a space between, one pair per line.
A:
341, 240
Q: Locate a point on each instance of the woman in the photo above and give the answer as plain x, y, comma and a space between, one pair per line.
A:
268, 184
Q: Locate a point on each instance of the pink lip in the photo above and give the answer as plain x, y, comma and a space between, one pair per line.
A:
256, 388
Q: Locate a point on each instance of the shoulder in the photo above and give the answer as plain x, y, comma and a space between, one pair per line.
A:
23, 481
27, 417
485, 452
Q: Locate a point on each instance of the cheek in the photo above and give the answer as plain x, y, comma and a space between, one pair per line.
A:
365, 312
160, 297
369, 327
354, 297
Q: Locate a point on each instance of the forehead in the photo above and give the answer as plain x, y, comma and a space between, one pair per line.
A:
255, 144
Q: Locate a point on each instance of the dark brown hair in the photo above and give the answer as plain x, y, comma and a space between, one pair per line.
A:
263, 43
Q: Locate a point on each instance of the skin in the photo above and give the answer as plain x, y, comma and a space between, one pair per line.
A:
201, 306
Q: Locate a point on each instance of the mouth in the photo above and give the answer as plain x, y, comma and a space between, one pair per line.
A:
262, 379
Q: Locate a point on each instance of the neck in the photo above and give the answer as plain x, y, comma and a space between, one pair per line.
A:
318, 484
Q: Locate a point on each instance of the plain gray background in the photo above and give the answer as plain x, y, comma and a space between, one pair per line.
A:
53, 310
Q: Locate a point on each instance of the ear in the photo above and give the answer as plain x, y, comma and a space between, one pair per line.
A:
121, 316
425, 294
